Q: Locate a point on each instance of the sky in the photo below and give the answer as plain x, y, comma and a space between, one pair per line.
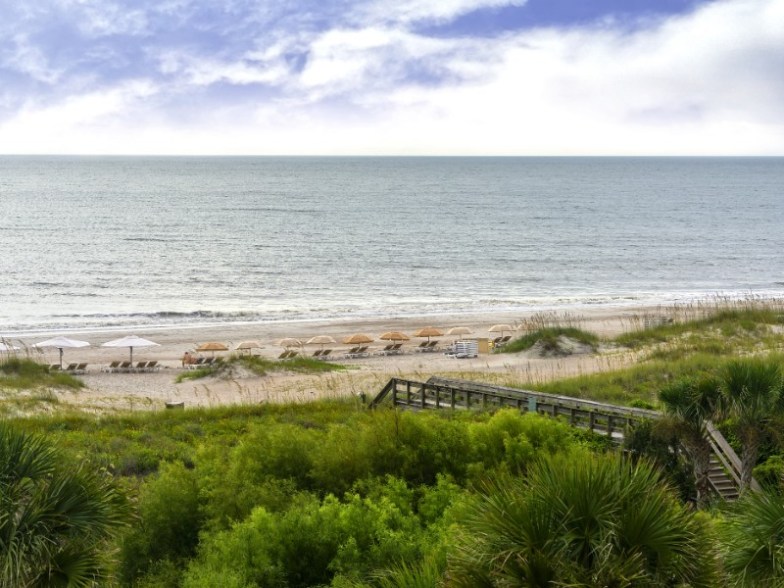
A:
392, 77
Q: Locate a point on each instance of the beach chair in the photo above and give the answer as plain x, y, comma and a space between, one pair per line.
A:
387, 349
55, 367
285, 354
81, 368
317, 353
397, 348
363, 351
125, 367
71, 367
141, 366
351, 353
422, 346
152, 366
111, 367
325, 354
432, 346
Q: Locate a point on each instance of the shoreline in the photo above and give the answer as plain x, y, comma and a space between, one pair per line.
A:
151, 391
211, 319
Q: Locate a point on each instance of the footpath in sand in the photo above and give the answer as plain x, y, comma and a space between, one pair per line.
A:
151, 391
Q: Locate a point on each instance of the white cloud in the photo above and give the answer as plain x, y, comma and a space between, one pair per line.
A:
412, 11
704, 83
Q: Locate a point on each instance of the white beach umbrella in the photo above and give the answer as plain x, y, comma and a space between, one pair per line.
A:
321, 340
61, 343
249, 345
130, 341
502, 328
6, 348
459, 331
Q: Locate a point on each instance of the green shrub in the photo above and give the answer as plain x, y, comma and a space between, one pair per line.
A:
170, 519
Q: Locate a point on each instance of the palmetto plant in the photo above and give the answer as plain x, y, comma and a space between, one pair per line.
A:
752, 397
753, 538
582, 521
690, 404
54, 518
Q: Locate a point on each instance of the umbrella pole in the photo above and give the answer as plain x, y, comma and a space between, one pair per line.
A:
131, 355
61, 358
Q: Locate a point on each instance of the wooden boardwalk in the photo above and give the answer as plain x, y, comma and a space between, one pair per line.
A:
598, 417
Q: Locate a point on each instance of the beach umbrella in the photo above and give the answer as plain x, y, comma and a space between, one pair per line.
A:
248, 345
290, 342
500, 328
357, 339
61, 343
7, 348
394, 336
130, 342
212, 347
321, 340
459, 331
429, 332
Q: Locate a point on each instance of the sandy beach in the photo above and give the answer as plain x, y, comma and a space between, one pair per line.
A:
151, 391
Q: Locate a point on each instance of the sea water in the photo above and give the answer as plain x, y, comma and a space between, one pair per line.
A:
116, 242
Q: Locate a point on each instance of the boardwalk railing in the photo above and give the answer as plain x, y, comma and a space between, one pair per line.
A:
598, 417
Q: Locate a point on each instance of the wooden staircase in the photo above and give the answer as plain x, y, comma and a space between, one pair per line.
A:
598, 417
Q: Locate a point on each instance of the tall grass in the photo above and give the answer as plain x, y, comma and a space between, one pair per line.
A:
724, 317
22, 373
261, 366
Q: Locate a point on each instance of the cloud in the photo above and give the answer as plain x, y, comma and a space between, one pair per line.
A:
363, 77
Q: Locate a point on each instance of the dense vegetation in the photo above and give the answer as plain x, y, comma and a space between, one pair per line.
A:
331, 494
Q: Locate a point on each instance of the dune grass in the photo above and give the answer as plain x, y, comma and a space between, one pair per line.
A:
22, 374
261, 366
549, 337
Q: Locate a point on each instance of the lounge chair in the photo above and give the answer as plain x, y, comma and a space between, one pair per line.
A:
284, 355
125, 367
81, 368
325, 354
152, 366
141, 366
352, 352
55, 367
112, 366
317, 353
71, 367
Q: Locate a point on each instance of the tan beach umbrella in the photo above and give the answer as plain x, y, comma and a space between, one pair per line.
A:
459, 331
321, 340
60, 343
249, 345
357, 339
130, 342
429, 332
500, 328
212, 346
394, 336
290, 342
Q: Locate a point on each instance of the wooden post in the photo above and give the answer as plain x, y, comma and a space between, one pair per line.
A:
452, 397
591, 421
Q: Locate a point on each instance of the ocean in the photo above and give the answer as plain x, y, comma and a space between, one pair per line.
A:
123, 242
